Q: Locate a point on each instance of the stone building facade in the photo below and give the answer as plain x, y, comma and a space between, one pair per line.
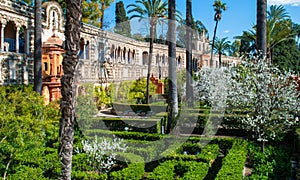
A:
104, 56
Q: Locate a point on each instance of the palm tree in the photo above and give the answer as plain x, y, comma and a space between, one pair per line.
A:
279, 28
219, 7
189, 87
154, 10
261, 25
234, 49
296, 28
221, 47
248, 41
72, 36
38, 47
172, 81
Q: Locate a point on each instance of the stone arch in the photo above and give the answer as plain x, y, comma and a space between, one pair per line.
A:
81, 48
23, 39
54, 16
87, 49
112, 52
10, 37
119, 52
163, 60
179, 60
145, 58
157, 59
133, 54
129, 56
124, 55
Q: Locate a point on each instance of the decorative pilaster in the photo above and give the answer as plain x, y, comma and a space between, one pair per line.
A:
17, 38
3, 23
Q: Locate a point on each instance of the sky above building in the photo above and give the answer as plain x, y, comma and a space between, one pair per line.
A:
239, 16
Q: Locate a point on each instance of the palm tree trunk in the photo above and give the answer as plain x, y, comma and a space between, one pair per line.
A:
172, 81
261, 20
220, 60
213, 44
102, 14
72, 35
152, 33
189, 87
38, 47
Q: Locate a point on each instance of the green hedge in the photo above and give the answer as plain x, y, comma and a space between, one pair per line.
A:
147, 125
209, 153
196, 170
126, 135
138, 108
164, 171
234, 161
173, 169
87, 175
134, 170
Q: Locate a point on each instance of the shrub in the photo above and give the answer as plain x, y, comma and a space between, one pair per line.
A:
271, 163
28, 131
135, 169
233, 163
101, 153
165, 171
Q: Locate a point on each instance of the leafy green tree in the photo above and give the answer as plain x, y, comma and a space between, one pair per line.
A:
93, 11
103, 97
296, 28
219, 7
154, 10
269, 96
28, 134
221, 47
122, 21
286, 56
137, 90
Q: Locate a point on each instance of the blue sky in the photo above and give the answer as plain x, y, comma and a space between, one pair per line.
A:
240, 15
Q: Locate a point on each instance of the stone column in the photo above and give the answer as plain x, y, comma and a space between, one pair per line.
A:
27, 41
3, 23
17, 38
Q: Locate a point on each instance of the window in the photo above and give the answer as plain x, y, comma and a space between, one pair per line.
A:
45, 66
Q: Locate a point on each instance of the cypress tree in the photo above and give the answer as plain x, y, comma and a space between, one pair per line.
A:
122, 21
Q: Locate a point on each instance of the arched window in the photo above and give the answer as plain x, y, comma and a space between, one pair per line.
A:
145, 57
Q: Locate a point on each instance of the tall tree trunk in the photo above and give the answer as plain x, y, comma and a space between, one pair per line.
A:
102, 14
72, 35
172, 81
152, 33
38, 47
213, 44
189, 87
220, 60
261, 27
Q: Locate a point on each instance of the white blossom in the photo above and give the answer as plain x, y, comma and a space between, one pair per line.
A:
102, 152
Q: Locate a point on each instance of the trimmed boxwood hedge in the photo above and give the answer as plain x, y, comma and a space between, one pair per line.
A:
134, 170
234, 161
136, 124
173, 169
138, 108
126, 135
